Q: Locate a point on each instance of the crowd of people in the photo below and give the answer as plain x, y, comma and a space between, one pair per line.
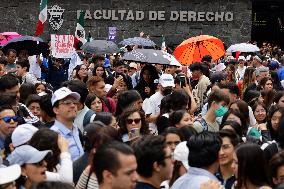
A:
98, 121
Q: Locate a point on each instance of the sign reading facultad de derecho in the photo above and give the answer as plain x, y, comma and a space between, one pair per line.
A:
182, 16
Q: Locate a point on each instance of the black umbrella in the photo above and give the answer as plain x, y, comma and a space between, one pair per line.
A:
34, 45
135, 56
100, 47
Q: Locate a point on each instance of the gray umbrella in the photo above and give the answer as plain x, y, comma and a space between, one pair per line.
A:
100, 47
155, 56
138, 41
135, 56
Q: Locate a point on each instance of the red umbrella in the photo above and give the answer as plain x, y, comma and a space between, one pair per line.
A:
193, 49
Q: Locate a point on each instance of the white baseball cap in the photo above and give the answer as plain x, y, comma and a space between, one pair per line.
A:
257, 58
231, 57
27, 154
181, 154
62, 93
248, 57
9, 174
242, 58
22, 134
167, 80
220, 67
133, 65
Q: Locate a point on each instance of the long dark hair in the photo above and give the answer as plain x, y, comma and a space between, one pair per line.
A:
46, 139
252, 166
125, 99
278, 96
153, 71
244, 127
176, 172
26, 90
95, 69
243, 109
176, 116
77, 68
272, 110
122, 121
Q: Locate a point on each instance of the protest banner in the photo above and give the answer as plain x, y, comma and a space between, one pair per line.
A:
62, 46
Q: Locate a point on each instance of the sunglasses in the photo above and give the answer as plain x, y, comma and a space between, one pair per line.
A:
8, 119
136, 121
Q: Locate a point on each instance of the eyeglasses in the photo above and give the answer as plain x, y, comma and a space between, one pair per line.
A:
8, 119
172, 142
69, 102
136, 121
226, 146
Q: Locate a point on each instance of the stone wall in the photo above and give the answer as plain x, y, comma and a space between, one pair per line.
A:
21, 16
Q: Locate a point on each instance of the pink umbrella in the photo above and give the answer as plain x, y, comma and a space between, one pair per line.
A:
7, 36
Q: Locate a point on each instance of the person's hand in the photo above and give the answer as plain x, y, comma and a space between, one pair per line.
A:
117, 81
147, 90
262, 127
212, 184
38, 60
62, 144
141, 34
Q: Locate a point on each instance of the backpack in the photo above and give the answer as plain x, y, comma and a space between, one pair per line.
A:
202, 121
87, 117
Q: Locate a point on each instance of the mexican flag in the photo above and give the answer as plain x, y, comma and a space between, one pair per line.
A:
164, 48
41, 18
80, 31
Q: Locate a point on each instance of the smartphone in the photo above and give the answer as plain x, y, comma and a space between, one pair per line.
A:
134, 132
182, 81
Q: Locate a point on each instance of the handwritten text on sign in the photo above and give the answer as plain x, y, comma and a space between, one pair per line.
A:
62, 45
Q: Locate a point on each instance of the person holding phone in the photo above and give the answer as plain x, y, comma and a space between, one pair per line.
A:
132, 124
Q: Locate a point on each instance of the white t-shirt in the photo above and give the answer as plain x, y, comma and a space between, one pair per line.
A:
151, 106
34, 66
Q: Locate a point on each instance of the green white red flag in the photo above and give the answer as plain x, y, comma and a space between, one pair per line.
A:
80, 31
41, 18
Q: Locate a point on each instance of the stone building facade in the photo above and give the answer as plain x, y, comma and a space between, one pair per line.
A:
21, 16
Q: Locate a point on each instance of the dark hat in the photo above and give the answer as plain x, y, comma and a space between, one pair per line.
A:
217, 77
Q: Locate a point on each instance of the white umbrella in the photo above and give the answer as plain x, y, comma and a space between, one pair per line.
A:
243, 47
172, 59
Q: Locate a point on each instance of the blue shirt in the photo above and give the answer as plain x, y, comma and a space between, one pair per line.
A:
281, 73
75, 146
193, 179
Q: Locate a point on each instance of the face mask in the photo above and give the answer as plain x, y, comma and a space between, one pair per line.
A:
221, 111
167, 92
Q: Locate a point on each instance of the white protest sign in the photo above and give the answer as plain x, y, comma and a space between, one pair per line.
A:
62, 46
